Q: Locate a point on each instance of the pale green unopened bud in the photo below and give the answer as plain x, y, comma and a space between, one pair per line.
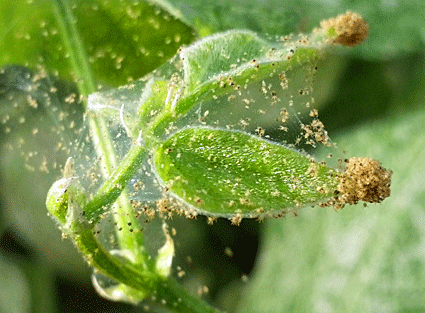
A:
62, 192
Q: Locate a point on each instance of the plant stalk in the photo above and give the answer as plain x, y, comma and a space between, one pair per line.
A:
99, 131
168, 292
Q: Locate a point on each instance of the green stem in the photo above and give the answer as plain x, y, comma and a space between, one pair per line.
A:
99, 130
74, 45
168, 292
113, 190
109, 192
105, 263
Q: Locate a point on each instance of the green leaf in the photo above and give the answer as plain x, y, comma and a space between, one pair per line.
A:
361, 259
224, 173
217, 55
230, 65
118, 40
397, 27
240, 58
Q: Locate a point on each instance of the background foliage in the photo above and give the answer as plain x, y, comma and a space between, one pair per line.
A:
371, 99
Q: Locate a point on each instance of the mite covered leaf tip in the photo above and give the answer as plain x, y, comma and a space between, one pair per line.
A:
366, 180
348, 29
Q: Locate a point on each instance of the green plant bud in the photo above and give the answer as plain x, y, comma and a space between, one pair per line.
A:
57, 199
62, 192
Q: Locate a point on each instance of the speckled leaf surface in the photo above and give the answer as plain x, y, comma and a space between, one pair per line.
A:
224, 173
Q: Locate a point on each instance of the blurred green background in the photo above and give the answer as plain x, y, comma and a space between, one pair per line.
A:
371, 101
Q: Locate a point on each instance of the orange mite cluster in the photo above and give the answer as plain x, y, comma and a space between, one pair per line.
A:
350, 28
366, 180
